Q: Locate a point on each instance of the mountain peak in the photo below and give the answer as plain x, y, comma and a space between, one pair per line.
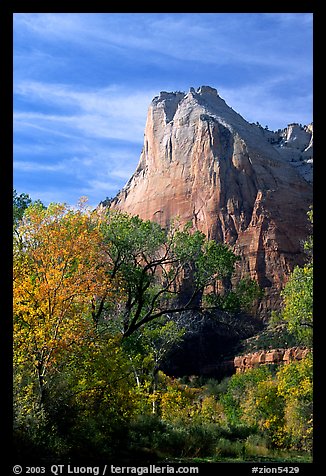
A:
203, 162
205, 90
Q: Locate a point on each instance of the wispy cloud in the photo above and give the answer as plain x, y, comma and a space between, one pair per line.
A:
27, 166
92, 168
259, 103
204, 38
83, 83
110, 112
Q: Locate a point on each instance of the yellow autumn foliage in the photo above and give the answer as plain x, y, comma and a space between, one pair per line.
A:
59, 273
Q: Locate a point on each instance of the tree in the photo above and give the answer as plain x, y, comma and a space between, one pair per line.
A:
298, 297
92, 398
295, 385
298, 304
59, 269
20, 204
163, 271
146, 348
98, 302
239, 387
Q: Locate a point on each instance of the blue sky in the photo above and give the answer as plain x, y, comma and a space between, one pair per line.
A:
83, 83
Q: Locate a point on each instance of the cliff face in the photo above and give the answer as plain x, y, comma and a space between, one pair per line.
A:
264, 357
203, 162
295, 144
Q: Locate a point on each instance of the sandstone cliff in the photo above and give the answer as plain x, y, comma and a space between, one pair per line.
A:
205, 163
265, 357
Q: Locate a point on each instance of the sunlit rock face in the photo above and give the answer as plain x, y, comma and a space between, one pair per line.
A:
201, 161
265, 357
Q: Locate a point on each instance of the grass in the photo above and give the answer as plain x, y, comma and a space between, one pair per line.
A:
282, 457
153, 439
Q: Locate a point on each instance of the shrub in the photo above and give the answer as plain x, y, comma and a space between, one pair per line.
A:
211, 410
146, 431
239, 386
264, 407
256, 445
215, 387
179, 439
227, 448
295, 385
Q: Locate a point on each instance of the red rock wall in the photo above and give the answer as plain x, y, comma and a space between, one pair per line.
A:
273, 356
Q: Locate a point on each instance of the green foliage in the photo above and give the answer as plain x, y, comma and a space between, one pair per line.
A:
298, 297
308, 244
215, 387
86, 404
97, 388
238, 387
243, 297
298, 303
20, 204
256, 445
165, 439
155, 265
295, 379
275, 335
99, 302
147, 348
278, 407
295, 385
264, 407
212, 260
228, 448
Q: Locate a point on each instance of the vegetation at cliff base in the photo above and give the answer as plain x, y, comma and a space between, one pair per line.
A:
100, 300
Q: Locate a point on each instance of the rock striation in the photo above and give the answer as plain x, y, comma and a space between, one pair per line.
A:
203, 162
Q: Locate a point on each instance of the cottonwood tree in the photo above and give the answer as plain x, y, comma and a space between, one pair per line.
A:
298, 297
59, 267
163, 271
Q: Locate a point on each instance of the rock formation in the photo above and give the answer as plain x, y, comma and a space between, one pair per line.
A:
273, 356
295, 144
203, 162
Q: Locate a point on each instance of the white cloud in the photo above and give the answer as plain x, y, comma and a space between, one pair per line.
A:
93, 132
94, 170
52, 24
109, 112
257, 102
213, 38
25, 120
30, 166
100, 185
